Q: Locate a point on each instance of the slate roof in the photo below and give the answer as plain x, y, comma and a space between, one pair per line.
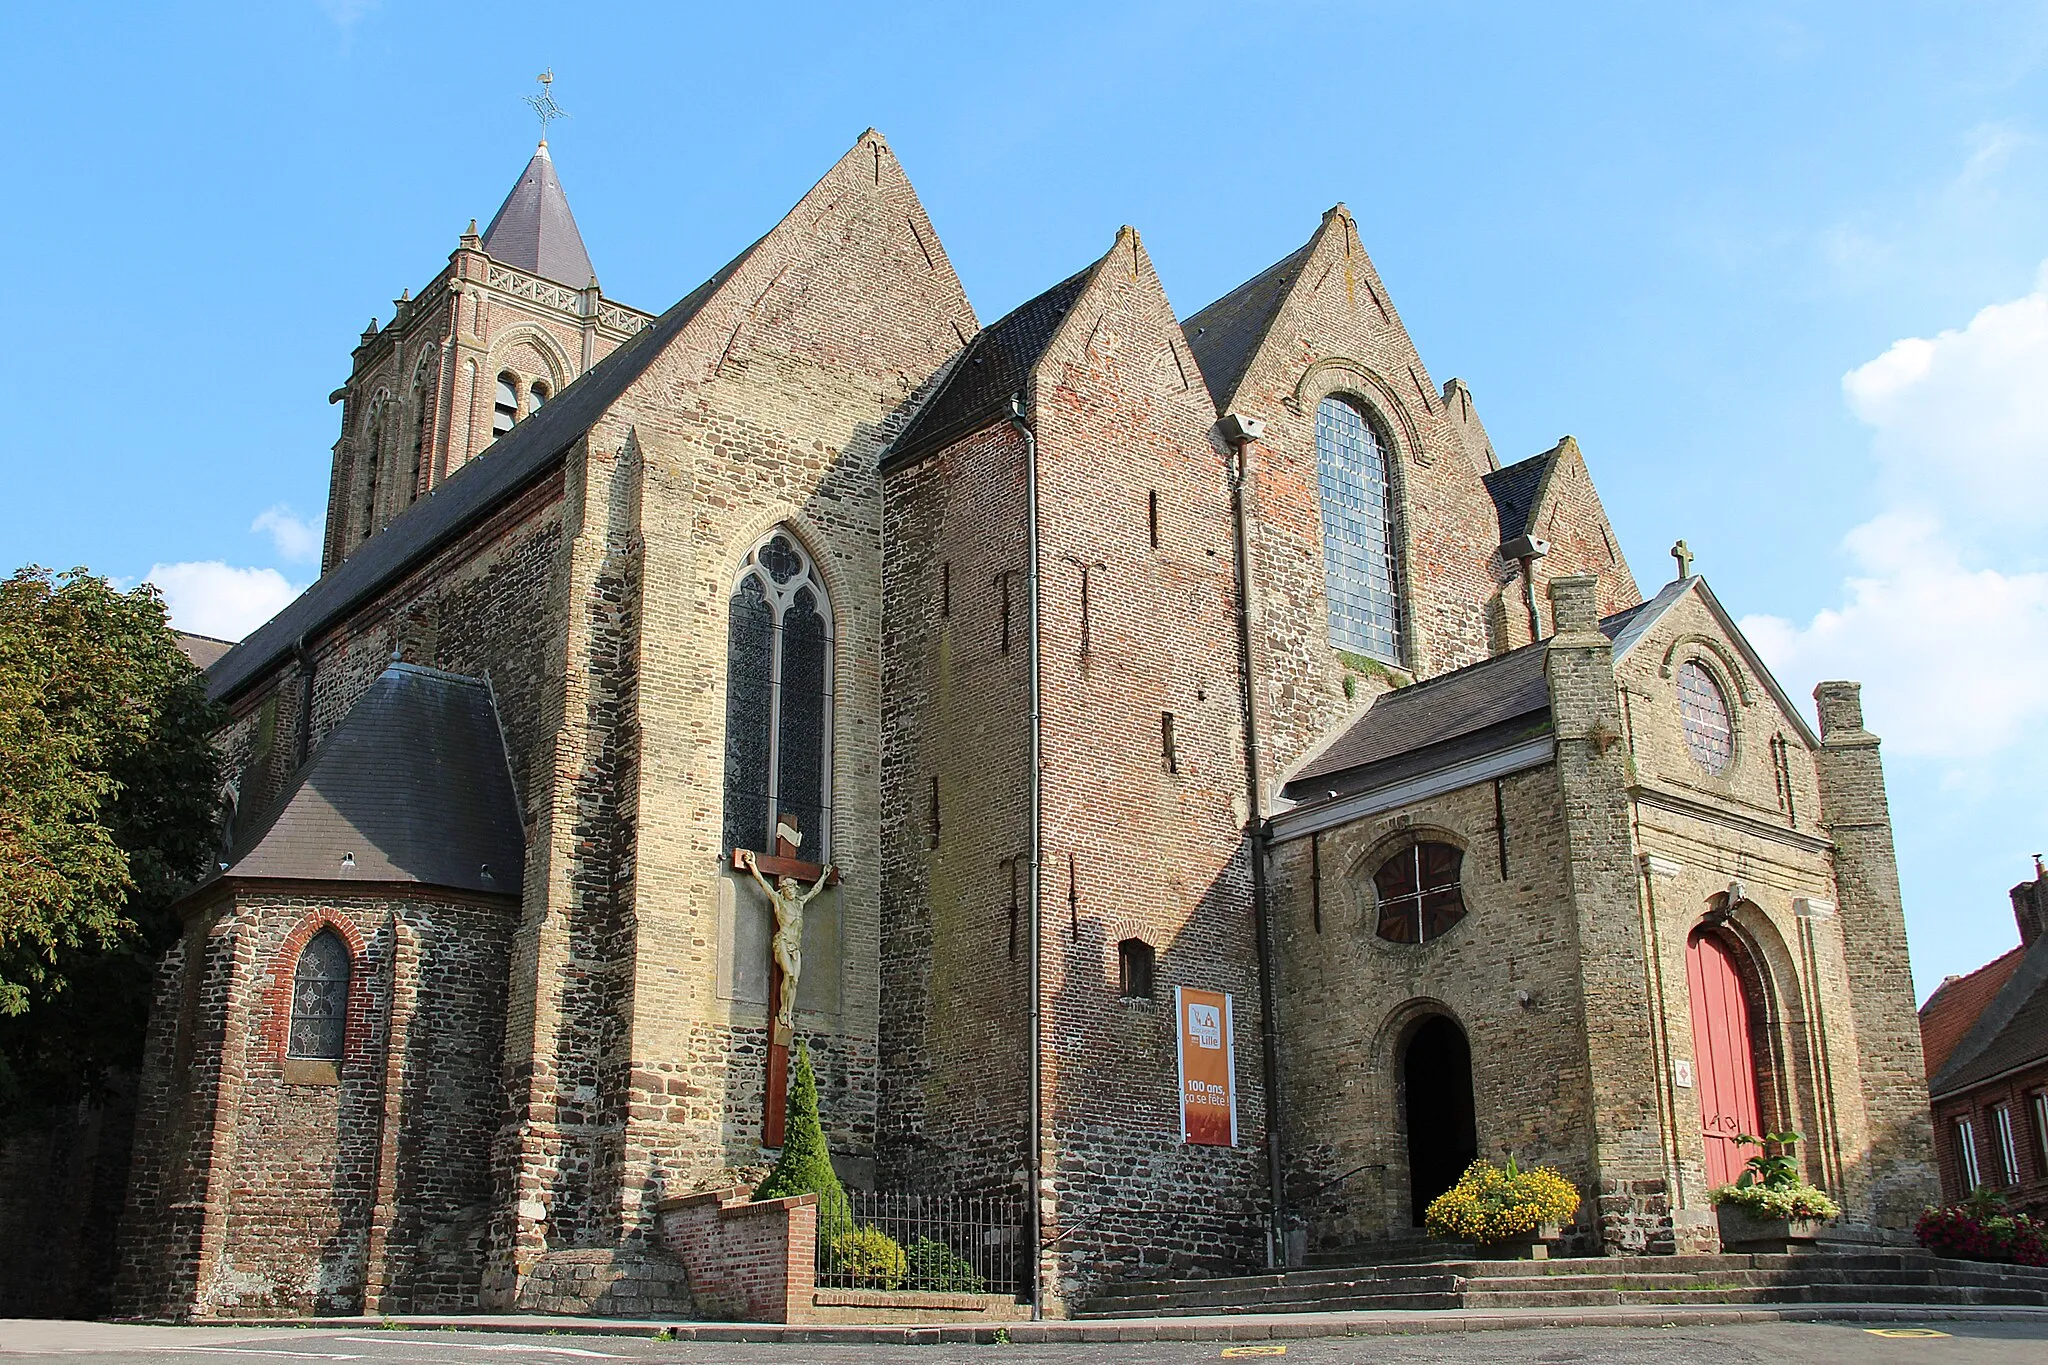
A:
1476, 709
504, 469
1226, 335
1515, 488
992, 369
202, 650
2012, 1032
413, 786
534, 230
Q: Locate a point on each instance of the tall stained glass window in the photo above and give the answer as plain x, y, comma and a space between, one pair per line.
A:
320, 998
778, 699
1358, 532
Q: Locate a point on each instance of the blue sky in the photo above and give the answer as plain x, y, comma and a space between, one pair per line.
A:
1777, 266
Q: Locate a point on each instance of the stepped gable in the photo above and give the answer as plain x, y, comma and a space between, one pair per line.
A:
1226, 335
507, 467
413, 786
534, 230
1956, 1005
2011, 1032
993, 369
1516, 489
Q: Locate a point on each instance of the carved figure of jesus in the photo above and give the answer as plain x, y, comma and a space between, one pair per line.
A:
789, 899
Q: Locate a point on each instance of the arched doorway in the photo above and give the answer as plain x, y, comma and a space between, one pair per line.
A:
1726, 1058
1436, 1075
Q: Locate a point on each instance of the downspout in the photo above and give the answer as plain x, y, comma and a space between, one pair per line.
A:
1241, 433
1034, 1233
1525, 551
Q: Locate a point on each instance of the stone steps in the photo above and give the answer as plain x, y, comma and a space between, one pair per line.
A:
1879, 1277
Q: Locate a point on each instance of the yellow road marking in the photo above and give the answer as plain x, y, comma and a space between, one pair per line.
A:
1904, 1332
1254, 1351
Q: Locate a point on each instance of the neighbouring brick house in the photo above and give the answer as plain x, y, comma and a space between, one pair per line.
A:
1111, 659
1986, 1039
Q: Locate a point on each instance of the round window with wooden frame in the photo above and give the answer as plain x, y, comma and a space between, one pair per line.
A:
1703, 709
1419, 893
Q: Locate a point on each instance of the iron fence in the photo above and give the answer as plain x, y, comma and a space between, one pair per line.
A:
943, 1243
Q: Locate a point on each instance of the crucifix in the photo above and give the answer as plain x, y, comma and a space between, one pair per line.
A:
788, 898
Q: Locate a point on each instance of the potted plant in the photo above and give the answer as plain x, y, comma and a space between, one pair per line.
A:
1769, 1208
1509, 1209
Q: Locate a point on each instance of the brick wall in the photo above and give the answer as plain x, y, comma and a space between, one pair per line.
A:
265, 1185
750, 1262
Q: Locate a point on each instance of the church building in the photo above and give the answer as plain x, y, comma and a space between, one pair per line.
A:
1168, 771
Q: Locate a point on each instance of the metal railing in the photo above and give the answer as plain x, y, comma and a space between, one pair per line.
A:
935, 1243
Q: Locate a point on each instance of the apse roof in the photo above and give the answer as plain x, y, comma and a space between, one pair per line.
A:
992, 369
1226, 335
534, 230
412, 786
506, 467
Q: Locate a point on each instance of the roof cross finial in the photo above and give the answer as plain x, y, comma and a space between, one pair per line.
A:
1683, 555
543, 104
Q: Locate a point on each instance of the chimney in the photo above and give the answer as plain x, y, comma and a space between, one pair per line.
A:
2030, 905
1575, 604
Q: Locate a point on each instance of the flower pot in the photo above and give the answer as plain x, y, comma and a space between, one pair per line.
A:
1744, 1231
1528, 1246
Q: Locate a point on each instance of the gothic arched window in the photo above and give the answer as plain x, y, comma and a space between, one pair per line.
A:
1358, 532
320, 999
419, 442
535, 396
376, 449
1419, 892
506, 411
778, 699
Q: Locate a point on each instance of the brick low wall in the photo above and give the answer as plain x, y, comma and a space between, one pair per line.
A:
747, 1261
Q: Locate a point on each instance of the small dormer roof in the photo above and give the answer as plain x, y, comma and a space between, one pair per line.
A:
534, 230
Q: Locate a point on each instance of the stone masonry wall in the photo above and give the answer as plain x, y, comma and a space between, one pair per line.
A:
1349, 1000
271, 1186
956, 895
1138, 843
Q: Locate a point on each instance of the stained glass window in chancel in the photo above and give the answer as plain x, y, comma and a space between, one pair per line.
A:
778, 707
320, 998
1362, 581
1703, 708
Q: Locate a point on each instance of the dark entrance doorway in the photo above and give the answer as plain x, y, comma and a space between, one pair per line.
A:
1436, 1071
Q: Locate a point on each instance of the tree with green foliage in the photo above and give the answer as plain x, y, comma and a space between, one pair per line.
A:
108, 812
806, 1166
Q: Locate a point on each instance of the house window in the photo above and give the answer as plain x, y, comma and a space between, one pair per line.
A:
320, 998
778, 699
1703, 708
1134, 969
506, 411
2041, 1132
1358, 532
1966, 1154
1419, 894
2008, 1149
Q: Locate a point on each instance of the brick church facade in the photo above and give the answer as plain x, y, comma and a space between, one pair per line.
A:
1103, 653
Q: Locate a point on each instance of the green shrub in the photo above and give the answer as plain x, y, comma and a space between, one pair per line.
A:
937, 1267
870, 1258
806, 1165
1770, 1187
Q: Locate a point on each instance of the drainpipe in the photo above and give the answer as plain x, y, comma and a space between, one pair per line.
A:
1526, 550
1241, 433
1033, 1231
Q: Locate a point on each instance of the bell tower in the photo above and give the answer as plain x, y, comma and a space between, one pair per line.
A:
512, 319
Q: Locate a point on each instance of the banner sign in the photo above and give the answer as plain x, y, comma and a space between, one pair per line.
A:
1208, 1091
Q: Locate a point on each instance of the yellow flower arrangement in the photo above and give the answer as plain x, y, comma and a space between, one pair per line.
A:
1489, 1204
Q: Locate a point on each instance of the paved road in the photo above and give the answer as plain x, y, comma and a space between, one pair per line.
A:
1963, 1343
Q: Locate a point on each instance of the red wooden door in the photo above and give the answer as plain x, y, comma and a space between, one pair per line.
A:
1726, 1068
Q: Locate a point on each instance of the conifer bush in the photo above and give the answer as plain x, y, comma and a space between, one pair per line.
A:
806, 1166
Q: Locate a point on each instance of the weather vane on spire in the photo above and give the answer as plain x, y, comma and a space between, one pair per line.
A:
543, 104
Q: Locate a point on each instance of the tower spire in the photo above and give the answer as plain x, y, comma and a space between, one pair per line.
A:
534, 229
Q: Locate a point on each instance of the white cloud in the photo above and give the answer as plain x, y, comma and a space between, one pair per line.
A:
297, 540
345, 13
1945, 616
208, 597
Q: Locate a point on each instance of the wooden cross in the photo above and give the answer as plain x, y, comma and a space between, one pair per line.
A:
784, 862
